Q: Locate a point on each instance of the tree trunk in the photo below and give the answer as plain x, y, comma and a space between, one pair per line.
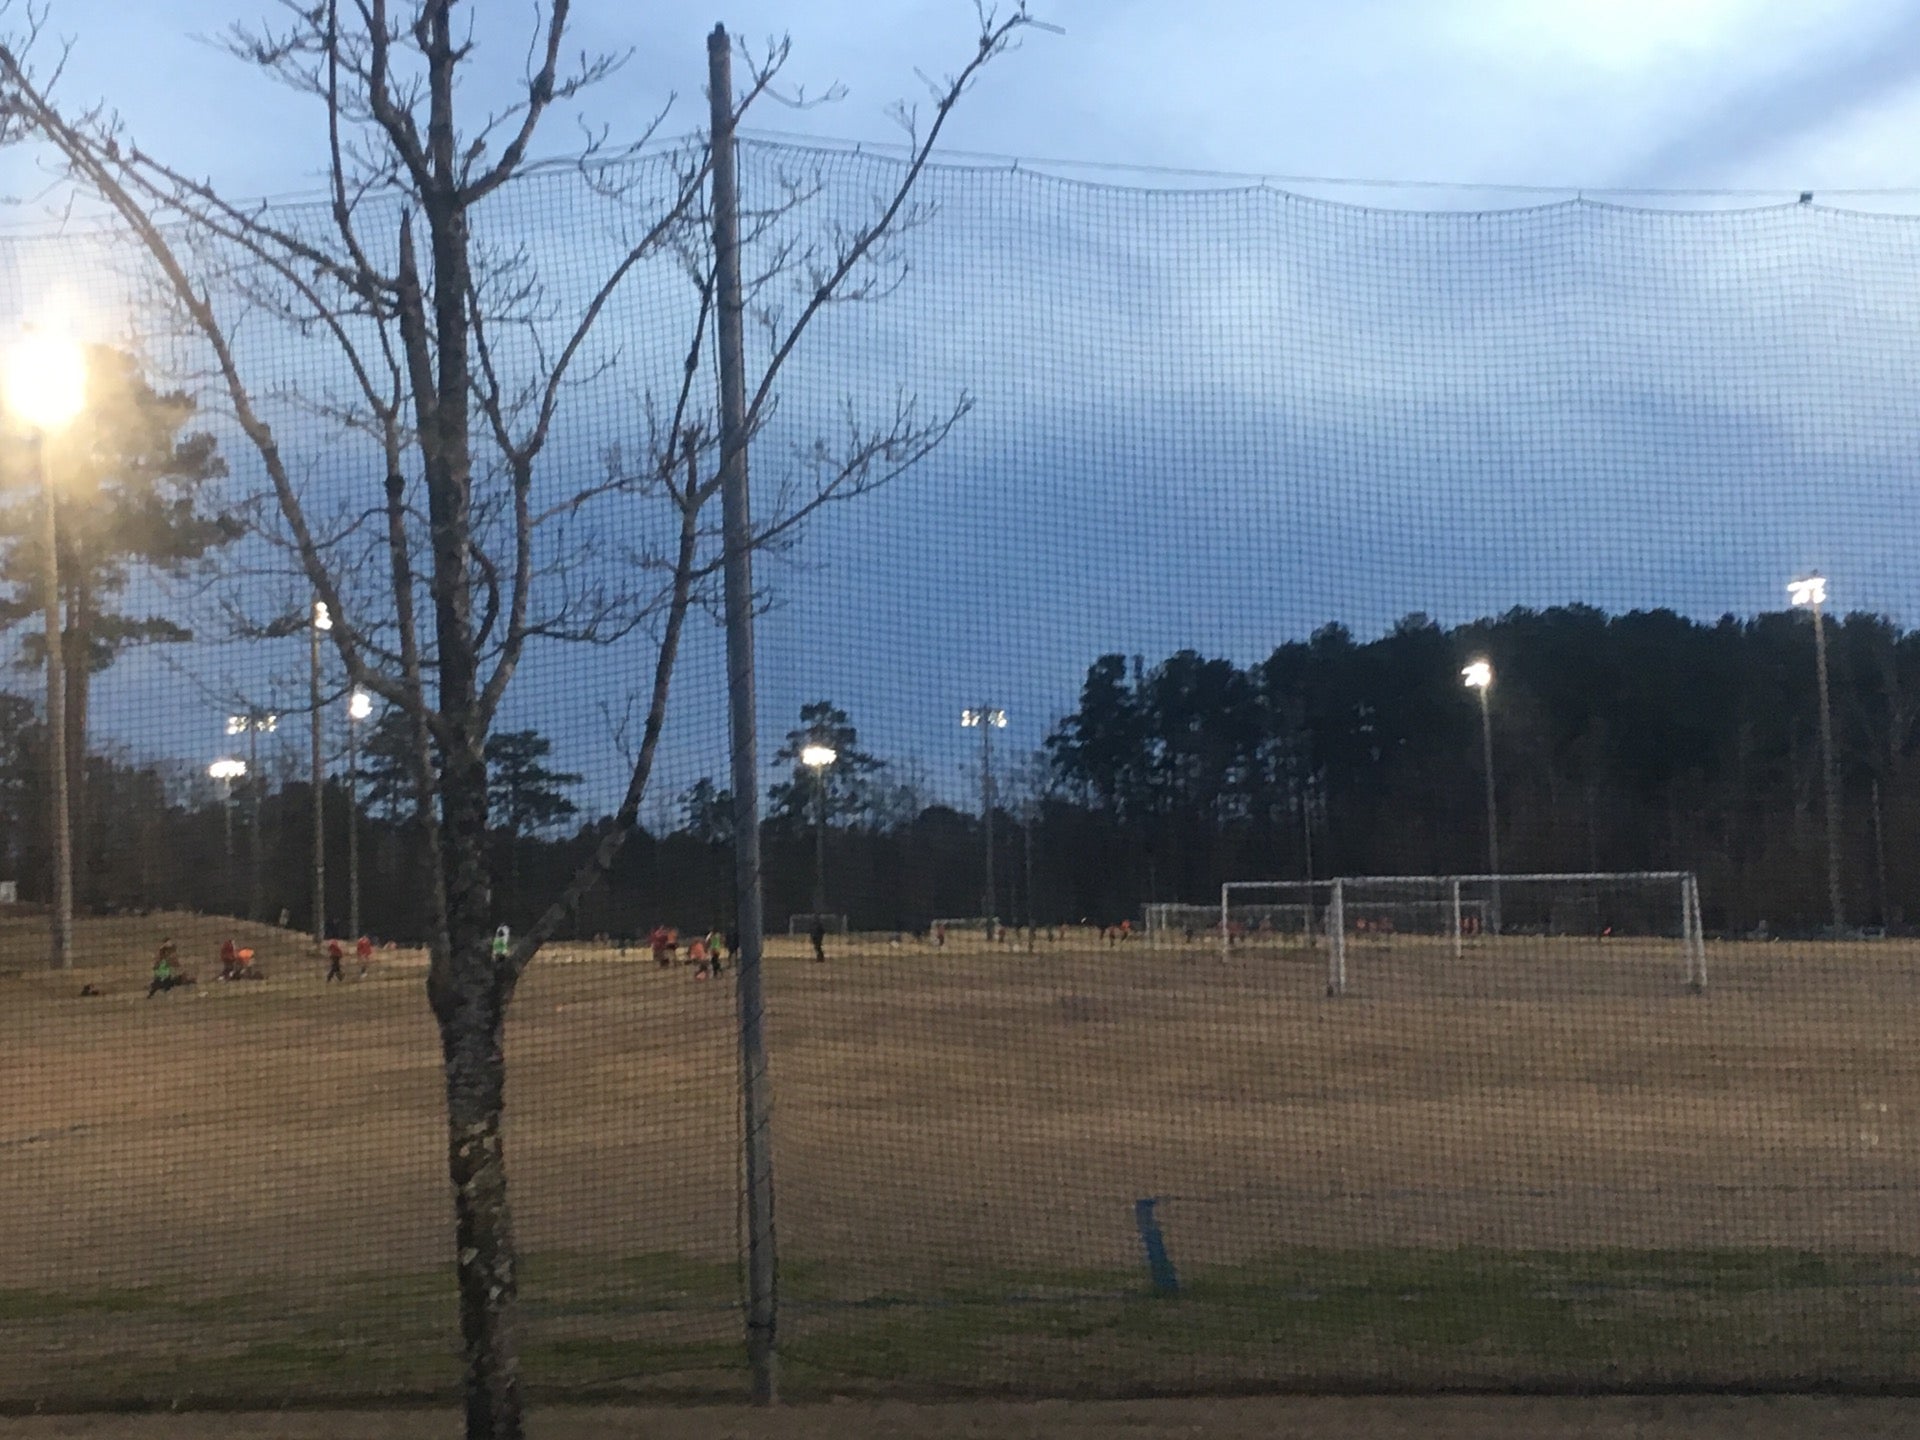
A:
470, 990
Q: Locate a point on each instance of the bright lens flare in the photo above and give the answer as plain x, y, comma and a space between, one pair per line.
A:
45, 380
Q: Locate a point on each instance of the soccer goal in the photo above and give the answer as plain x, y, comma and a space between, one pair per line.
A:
1270, 914
1511, 935
954, 926
802, 924
1484, 934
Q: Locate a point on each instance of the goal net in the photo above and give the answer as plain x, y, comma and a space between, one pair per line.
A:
802, 924
1499, 936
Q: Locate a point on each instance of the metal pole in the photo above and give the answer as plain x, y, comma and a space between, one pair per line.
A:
353, 826
1830, 776
257, 896
1026, 832
986, 804
1880, 859
226, 814
1493, 819
319, 815
1306, 833
755, 1083
820, 843
62, 936
1453, 911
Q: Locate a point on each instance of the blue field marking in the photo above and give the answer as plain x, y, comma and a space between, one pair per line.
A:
1159, 1262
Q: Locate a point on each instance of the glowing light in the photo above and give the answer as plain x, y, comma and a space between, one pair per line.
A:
1478, 674
359, 705
1809, 591
974, 719
45, 380
225, 769
818, 756
322, 617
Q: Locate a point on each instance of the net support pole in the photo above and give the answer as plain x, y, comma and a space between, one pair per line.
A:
756, 1095
1453, 912
1337, 940
1696, 940
1226, 892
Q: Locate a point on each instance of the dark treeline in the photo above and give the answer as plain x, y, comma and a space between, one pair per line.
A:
1638, 741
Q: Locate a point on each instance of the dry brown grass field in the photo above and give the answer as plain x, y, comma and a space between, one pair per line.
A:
1543, 1165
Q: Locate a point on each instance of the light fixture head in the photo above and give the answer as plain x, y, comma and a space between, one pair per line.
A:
1810, 590
1478, 674
818, 757
359, 705
227, 769
45, 380
322, 617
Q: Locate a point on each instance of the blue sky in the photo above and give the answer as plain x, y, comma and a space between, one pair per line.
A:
1219, 420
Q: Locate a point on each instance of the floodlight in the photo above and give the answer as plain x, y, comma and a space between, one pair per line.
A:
226, 769
818, 757
1809, 591
973, 719
359, 705
45, 380
322, 617
1478, 674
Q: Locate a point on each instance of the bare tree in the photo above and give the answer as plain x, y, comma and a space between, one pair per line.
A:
457, 361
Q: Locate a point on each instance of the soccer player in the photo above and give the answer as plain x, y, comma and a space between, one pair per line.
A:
334, 956
229, 959
661, 941
363, 951
818, 934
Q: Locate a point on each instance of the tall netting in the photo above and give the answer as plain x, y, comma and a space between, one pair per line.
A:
1237, 484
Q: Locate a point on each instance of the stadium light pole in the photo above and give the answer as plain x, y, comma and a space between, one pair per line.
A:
226, 770
322, 622
251, 725
359, 707
819, 759
986, 720
1810, 593
46, 388
1478, 675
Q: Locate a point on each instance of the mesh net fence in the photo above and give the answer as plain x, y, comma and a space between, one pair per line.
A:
1238, 482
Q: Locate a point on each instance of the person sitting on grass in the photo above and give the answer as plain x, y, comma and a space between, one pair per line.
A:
166, 975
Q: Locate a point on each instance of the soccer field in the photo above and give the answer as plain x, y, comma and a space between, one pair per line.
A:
1544, 1164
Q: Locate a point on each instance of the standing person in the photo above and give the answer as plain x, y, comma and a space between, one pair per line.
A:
334, 956
818, 934
363, 950
733, 945
939, 937
662, 944
713, 950
698, 956
229, 959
